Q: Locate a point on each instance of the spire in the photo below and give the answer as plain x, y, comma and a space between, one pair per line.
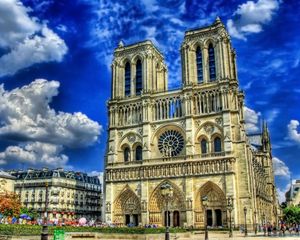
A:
121, 44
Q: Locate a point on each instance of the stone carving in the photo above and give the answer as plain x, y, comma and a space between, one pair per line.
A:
120, 133
209, 128
219, 121
140, 130
131, 138
153, 127
198, 123
182, 123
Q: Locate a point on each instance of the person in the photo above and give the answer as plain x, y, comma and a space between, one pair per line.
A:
269, 227
265, 229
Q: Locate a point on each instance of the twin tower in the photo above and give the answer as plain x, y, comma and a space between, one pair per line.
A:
207, 56
192, 139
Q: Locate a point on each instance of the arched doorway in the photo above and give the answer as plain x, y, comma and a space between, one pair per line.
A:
216, 206
176, 219
157, 207
127, 208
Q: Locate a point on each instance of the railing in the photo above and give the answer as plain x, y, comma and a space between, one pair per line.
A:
174, 159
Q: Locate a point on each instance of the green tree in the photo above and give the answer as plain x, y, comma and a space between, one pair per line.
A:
292, 214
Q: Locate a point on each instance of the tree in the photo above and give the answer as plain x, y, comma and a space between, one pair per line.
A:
10, 204
29, 212
292, 214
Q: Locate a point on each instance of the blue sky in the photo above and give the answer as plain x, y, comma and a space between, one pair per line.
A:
55, 72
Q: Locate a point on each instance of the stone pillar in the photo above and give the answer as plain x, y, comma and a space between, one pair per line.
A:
171, 223
214, 218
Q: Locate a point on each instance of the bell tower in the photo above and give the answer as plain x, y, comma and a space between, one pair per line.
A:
207, 55
137, 68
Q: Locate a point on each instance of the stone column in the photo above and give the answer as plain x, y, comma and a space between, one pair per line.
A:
171, 223
214, 218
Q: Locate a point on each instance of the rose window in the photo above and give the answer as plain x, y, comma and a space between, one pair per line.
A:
170, 143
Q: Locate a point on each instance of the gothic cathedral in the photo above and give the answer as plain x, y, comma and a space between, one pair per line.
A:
193, 139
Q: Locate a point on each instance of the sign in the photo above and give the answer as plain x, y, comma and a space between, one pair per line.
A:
59, 235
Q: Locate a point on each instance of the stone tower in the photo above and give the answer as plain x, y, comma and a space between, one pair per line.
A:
193, 139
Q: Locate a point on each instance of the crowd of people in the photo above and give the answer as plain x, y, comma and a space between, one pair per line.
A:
281, 229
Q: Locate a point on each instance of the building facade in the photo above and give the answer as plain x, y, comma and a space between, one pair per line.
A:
6, 182
293, 194
71, 195
193, 138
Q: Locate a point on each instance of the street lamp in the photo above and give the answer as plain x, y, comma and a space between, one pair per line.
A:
230, 208
245, 213
255, 225
44, 234
205, 203
167, 193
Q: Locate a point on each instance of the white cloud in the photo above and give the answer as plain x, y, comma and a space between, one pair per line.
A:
280, 168
25, 116
250, 17
293, 132
35, 153
149, 20
252, 120
25, 39
272, 115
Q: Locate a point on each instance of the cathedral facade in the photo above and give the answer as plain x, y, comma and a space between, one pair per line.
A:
193, 138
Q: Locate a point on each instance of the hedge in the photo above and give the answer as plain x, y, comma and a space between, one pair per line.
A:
31, 230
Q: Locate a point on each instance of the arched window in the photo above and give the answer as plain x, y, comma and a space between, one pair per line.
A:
217, 144
139, 81
127, 79
199, 65
138, 153
203, 146
212, 63
126, 154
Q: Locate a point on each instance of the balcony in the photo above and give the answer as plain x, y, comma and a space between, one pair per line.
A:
206, 156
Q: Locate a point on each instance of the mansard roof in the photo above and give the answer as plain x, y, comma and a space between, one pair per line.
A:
45, 173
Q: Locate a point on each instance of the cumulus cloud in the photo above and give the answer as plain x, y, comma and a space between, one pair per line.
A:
36, 153
250, 17
293, 132
26, 116
251, 120
280, 168
25, 39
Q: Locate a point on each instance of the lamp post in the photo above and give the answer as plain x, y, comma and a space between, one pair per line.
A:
245, 214
230, 208
204, 203
44, 234
167, 193
255, 225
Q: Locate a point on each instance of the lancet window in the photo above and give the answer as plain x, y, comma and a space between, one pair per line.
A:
139, 81
212, 63
127, 79
199, 65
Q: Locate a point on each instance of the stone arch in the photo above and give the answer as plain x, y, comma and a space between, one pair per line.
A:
130, 138
213, 136
165, 127
210, 41
216, 200
127, 203
123, 61
157, 204
137, 57
196, 44
208, 129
